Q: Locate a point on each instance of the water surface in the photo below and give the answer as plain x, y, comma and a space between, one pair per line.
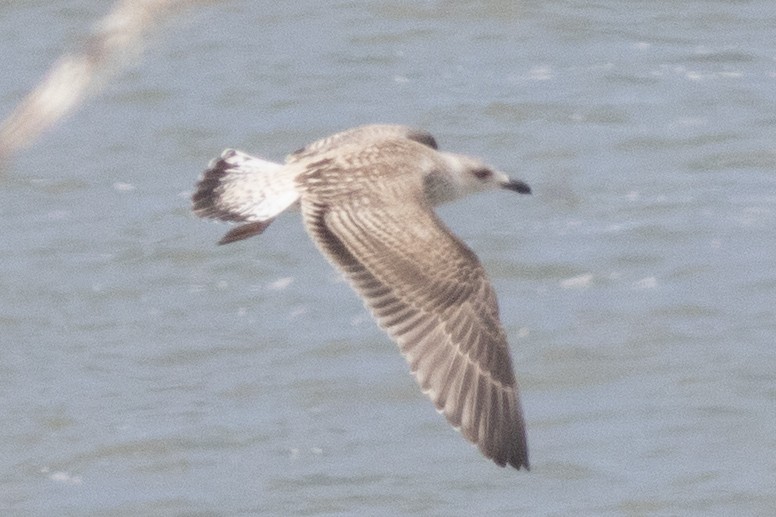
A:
146, 371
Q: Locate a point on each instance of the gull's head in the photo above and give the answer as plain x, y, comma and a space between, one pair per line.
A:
463, 175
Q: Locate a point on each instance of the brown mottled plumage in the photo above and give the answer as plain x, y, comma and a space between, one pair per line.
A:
366, 197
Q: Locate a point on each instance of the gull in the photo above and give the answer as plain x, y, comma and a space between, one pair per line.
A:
366, 197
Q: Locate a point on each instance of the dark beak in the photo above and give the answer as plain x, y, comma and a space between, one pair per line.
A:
517, 185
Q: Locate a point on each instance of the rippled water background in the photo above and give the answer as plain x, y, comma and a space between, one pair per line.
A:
146, 371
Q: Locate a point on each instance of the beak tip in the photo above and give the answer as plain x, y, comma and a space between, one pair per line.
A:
518, 186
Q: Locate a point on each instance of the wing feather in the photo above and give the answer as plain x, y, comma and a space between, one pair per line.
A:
361, 135
428, 291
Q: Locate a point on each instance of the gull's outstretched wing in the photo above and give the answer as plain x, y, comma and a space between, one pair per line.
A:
426, 289
361, 136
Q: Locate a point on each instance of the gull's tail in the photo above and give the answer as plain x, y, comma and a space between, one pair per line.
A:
238, 187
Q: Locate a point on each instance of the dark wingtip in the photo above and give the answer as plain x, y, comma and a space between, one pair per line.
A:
521, 463
518, 457
518, 186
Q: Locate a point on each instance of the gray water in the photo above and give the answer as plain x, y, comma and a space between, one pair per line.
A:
146, 371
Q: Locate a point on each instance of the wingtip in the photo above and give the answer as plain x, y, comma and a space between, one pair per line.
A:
520, 463
518, 460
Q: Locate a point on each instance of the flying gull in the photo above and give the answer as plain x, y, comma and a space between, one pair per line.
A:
366, 196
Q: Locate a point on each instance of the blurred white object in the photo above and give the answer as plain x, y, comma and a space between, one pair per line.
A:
113, 41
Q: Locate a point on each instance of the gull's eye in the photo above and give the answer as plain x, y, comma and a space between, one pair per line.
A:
482, 174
